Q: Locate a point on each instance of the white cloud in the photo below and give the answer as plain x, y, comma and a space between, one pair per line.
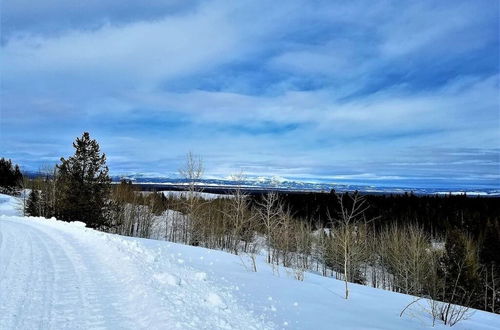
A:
142, 51
85, 78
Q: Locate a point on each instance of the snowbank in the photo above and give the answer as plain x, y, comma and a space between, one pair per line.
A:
10, 205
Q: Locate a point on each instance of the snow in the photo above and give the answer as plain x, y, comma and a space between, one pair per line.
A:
9, 205
470, 193
77, 224
58, 275
214, 300
166, 278
204, 195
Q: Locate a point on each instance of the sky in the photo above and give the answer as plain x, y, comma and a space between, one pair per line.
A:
318, 90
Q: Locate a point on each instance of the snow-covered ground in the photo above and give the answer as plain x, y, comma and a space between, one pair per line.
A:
9, 205
57, 275
204, 195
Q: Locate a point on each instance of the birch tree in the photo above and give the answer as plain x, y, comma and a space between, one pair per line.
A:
349, 235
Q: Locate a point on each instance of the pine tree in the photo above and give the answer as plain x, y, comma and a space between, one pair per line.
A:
10, 176
83, 184
32, 206
17, 176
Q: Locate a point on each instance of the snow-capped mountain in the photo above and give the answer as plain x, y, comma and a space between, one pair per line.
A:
285, 184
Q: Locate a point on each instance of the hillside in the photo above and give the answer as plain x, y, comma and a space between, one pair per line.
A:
58, 275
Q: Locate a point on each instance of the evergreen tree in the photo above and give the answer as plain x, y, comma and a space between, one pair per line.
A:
490, 245
83, 184
10, 176
32, 206
17, 176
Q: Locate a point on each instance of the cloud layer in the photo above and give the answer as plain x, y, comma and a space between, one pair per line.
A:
362, 90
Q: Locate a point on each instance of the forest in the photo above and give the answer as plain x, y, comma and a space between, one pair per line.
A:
10, 176
440, 248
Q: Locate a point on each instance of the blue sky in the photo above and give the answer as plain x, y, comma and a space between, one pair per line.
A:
338, 90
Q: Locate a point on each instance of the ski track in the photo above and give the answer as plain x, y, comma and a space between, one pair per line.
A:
77, 278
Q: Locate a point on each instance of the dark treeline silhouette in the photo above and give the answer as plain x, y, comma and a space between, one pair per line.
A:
436, 213
10, 176
476, 216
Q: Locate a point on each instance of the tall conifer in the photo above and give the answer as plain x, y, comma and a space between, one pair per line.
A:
83, 184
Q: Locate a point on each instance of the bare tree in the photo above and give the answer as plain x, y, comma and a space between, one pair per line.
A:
456, 308
192, 172
491, 288
303, 248
283, 237
25, 184
405, 252
242, 220
349, 235
448, 284
269, 210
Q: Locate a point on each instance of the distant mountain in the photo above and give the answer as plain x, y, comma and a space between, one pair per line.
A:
284, 184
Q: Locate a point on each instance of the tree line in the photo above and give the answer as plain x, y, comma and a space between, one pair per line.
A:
10, 176
345, 237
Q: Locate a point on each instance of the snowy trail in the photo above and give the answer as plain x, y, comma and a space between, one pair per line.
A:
59, 275
55, 275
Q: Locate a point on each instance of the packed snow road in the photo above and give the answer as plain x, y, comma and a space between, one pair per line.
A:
56, 275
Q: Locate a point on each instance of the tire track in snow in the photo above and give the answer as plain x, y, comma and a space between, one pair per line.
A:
100, 293
16, 278
57, 287
92, 280
6, 252
42, 289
